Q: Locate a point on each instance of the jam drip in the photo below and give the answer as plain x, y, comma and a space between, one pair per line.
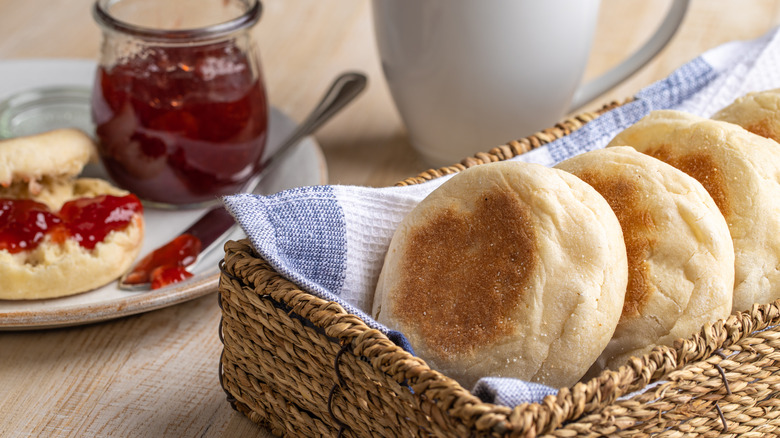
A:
24, 223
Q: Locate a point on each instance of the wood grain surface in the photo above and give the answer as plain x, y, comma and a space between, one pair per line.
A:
155, 374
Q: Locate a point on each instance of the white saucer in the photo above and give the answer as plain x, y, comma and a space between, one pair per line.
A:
303, 166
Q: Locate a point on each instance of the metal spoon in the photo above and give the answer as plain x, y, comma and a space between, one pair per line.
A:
343, 89
216, 221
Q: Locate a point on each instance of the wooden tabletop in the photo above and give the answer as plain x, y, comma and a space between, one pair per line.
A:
155, 374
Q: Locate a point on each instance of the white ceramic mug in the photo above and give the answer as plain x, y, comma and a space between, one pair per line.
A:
468, 75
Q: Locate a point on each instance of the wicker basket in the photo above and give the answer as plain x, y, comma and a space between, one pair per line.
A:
302, 366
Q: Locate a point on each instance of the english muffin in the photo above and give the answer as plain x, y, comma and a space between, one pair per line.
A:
55, 155
680, 254
508, 269
758, 112
60, 235
740, 170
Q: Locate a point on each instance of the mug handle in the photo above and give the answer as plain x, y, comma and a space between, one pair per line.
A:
599, 85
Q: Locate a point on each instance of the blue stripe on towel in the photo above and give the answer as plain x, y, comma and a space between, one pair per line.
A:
664, 94
301, 231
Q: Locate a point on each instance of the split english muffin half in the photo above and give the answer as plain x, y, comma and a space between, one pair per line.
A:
61, 235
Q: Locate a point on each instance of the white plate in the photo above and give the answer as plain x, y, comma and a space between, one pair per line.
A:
303, 166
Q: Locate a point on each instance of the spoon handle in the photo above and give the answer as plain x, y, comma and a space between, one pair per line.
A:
343, 89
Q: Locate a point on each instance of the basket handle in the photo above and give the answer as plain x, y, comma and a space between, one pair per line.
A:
599, 85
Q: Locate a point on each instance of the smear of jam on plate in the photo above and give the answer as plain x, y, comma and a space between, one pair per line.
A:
166, 265
165, 275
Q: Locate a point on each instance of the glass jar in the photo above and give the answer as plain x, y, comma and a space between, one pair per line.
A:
179, 102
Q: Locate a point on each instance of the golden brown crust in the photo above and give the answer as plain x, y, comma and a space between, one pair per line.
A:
639, 235
700, 165
757, 112
448, 254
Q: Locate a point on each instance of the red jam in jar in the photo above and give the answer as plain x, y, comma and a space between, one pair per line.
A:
181, 114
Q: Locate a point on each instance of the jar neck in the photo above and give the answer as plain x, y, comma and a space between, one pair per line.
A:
102, 14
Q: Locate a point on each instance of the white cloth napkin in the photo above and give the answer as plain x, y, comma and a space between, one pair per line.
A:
331, 240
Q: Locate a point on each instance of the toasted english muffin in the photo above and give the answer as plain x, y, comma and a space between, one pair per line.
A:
757, 112
741, 171
508, 269
57, 266
60, 154
680, 253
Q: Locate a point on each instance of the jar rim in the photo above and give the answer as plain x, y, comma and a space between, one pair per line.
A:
248, 19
